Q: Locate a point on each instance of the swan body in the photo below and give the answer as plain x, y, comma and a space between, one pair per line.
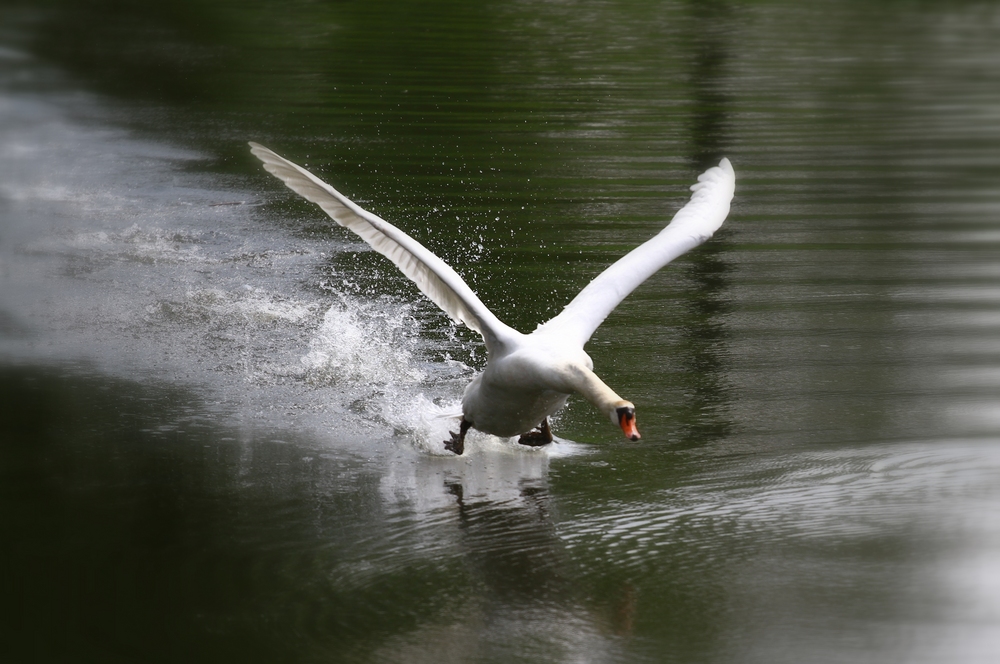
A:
528, 377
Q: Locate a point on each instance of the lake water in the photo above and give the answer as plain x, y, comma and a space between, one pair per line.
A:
222, 416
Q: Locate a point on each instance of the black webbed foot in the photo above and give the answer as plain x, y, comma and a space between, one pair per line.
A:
457, 442
537, 437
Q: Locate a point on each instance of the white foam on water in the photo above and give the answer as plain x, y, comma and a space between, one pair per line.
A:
135, 243
248, 303
361, 341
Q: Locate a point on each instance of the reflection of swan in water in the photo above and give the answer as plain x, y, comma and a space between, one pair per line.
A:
527, 377
488, 521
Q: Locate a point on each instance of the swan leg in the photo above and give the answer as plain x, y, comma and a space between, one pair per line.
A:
457, 442
537, 437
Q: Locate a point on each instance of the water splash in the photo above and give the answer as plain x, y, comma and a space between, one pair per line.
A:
363, 342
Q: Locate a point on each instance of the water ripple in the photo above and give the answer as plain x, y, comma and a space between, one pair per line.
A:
821, 496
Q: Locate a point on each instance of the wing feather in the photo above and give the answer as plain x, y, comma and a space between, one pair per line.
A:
435, 278
693, 224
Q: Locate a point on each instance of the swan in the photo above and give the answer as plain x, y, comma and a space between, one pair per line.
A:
528, 377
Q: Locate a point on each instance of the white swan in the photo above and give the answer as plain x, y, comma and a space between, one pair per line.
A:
528, 377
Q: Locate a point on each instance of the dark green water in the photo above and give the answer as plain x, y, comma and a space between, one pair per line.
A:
217, 413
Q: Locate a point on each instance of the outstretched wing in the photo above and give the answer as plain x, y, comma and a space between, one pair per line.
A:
433, 276
693, 224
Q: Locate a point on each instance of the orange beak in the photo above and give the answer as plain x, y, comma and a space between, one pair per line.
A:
626, 420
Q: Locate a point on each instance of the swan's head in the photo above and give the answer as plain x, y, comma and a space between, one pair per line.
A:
624, 416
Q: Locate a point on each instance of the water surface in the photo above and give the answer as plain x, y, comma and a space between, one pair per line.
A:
222, 417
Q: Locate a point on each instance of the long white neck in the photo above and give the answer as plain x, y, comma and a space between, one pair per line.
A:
594, 390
